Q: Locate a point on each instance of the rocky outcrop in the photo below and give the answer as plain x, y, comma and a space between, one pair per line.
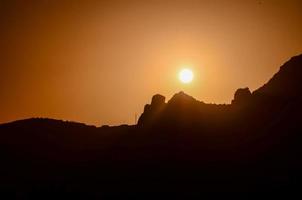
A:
152, 110
242, 96
157, 101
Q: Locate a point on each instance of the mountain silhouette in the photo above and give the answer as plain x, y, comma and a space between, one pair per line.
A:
179, 147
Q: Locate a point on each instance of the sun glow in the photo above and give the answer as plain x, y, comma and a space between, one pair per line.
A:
186, 76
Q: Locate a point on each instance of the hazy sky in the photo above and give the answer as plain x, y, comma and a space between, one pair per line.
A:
100, 62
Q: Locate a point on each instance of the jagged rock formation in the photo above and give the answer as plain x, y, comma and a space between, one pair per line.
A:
284, 87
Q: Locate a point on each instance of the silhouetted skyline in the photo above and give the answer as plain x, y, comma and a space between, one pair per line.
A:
180, 147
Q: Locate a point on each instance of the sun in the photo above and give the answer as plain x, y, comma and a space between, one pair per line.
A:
186, 76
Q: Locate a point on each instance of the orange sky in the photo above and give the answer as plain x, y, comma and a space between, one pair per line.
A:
99, 62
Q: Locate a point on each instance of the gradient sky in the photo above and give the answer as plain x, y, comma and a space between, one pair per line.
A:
100, 62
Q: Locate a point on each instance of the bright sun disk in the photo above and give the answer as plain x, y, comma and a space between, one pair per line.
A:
186, 75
